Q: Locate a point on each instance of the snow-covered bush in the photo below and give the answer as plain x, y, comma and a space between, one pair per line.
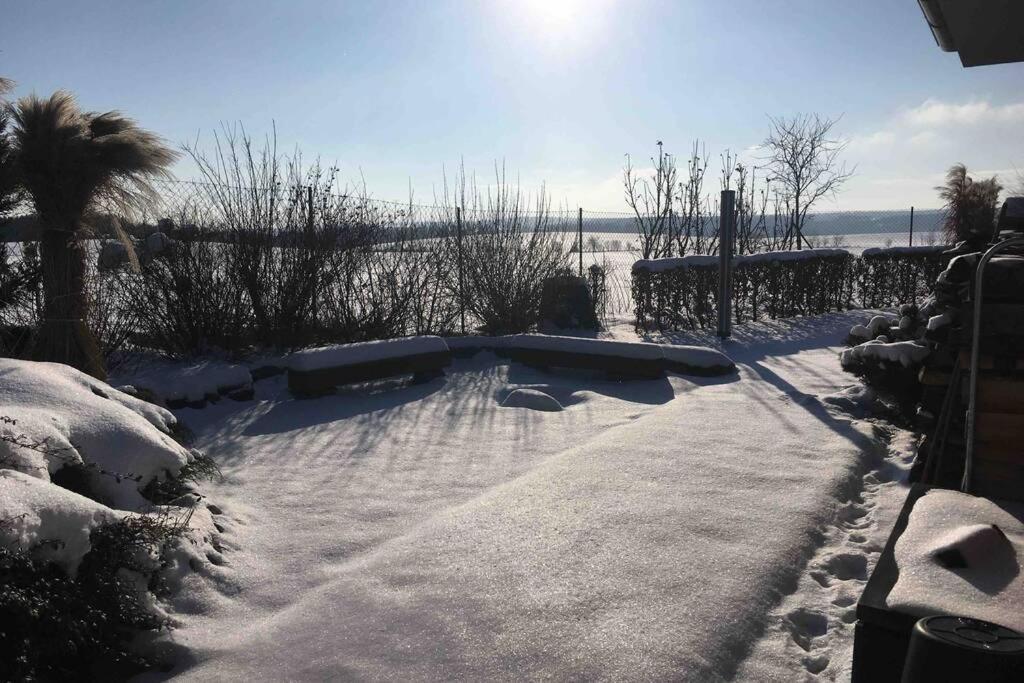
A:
77, 583
509, 250
98, 519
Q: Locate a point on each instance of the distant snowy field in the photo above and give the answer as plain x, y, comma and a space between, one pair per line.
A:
661, 529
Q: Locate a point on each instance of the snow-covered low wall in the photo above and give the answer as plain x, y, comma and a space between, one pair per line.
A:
313, 372
317, 371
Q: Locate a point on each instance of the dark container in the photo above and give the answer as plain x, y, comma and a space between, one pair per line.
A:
962, 649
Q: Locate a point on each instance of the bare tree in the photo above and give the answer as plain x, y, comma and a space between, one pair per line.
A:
651, 201
695, 233
803, 156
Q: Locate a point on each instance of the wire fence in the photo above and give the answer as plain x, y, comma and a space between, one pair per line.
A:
611, 241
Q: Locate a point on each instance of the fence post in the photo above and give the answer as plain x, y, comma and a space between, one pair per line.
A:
579, 226
911, 226
726, 224
462, 286
309, 208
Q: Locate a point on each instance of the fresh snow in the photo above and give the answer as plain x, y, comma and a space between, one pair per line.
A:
341, 355
192, 382
55, 521
899, 251
696, 356
937, 322
534, 399
651, 529
906, 353
599, 347
705, 261
81, 420
989, 587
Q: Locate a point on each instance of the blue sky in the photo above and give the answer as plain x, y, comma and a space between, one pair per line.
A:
561, 90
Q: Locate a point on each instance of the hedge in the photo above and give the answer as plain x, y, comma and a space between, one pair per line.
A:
681, 293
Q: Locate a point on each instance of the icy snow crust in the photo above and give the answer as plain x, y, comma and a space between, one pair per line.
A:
87, 422
990, 587
426, 533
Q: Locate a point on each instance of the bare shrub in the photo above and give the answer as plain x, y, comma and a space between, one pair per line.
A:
265, 207
508, 251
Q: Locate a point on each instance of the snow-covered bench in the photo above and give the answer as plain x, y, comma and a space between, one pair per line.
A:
618, 358
313, 372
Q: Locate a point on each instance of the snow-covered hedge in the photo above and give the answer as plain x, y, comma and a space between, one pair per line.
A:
681, 293
897, 275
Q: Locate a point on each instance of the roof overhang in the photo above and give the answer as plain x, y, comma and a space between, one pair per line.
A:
981, 31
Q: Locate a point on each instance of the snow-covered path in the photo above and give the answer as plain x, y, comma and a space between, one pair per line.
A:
645, 532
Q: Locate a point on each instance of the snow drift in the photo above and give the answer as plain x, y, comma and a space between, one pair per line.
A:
74, 419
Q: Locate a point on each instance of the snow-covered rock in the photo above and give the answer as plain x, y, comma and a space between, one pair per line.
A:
176, 383
876, 326
52, 522
534, 399
156, 243
905, 353
987, 584
77, 419
340, 355
937, 322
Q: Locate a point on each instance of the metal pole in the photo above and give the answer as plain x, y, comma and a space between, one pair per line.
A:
462, 286
579, 225
726, 224
911, 226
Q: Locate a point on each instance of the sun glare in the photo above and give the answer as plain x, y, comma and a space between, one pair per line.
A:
558, 18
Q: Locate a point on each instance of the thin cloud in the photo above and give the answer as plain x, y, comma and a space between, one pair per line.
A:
937, 113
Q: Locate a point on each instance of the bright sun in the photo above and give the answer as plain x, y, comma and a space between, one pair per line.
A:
556, 16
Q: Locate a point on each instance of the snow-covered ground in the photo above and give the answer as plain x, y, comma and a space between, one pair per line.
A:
649, 530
